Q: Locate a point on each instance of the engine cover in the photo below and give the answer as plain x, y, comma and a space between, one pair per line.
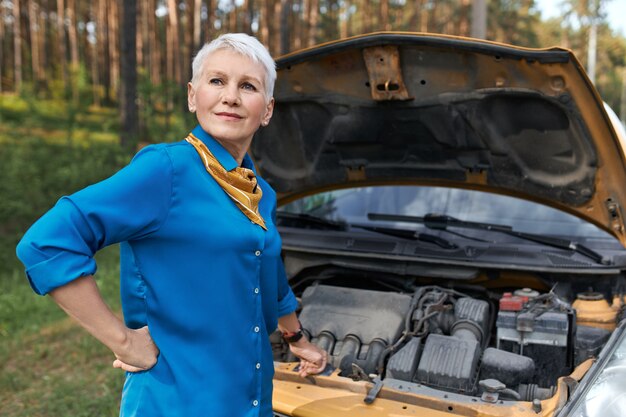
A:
352, 323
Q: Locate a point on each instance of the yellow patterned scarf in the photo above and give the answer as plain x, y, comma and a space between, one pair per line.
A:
240, 184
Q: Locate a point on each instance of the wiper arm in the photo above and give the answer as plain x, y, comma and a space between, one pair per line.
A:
442, 222
341, 226
410, 234
313, 220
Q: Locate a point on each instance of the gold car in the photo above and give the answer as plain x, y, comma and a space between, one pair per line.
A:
452, 223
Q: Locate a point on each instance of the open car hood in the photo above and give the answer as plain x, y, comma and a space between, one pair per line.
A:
400, 108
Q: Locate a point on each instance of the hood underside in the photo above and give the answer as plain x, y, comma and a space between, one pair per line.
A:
395, 108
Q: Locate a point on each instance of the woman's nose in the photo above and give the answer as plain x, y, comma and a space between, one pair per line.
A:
231, 96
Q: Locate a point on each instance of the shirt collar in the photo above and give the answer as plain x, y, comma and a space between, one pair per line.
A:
220, 153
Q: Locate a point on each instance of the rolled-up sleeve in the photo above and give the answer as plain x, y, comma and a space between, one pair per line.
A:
131, 204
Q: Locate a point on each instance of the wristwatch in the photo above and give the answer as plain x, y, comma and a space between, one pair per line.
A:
293, 337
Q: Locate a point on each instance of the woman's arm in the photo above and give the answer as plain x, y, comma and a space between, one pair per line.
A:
312, 359
134, 349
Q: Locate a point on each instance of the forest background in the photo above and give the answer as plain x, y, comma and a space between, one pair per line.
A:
83, 84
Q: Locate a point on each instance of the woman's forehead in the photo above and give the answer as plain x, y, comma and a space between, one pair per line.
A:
234, 63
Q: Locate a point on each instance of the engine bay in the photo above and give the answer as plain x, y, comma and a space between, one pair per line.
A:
506, 344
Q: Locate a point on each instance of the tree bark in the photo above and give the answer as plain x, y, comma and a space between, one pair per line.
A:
384, 14
93, 47
197, 10
102, 44
285, 32
74, 63
301, 39
114, 50
276, 29
264, 32
312, 36
154, 49
210, 21
174, 72
33, 13
2, 62
139, 33
343, 20
128, 61
17, 45
249, 7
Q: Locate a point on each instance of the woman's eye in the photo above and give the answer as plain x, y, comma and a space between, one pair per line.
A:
215, 81
248, 86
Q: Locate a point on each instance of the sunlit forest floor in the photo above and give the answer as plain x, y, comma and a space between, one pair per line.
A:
49, 367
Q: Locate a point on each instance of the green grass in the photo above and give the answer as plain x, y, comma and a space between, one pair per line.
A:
49, 367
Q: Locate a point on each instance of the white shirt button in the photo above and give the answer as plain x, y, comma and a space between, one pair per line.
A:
256, 290
256, 329
255, 403
257, 253
258, 366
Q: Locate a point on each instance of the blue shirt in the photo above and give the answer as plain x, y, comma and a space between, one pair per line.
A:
207, 281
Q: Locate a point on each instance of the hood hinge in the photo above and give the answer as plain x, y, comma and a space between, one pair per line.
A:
385, 75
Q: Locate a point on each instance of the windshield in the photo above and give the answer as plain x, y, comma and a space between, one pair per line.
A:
352, 206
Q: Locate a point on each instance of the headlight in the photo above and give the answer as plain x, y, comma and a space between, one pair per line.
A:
603, 393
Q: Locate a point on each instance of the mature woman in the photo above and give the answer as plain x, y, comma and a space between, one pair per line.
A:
202, 282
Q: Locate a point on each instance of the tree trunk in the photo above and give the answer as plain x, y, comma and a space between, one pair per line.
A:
114, 50
33, 11
93, 49
17, 45
74, 63
384, 15
2, 62
197, 10
249, 7
285, 10
154, 49
343, 20
186, 23
139, 33
264, 32
44, 59
174, 71
210, 21
305, 25
479, 19
276, 30
312, 36
61, 42
128, 61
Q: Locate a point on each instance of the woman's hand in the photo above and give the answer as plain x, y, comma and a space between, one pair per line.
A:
137, 353
312, 359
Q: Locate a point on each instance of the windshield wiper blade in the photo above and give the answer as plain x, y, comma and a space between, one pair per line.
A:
313, 220
442, 222
342, 226
410, 234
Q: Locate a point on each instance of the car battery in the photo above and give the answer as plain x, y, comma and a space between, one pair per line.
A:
542, 330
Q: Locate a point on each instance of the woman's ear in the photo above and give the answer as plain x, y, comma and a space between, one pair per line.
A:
191, 98
269, 110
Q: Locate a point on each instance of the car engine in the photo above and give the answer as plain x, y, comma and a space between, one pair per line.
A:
517, 344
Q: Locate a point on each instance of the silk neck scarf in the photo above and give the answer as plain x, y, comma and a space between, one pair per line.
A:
240, 183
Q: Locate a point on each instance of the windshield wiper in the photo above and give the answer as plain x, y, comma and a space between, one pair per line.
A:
312, 220
341, 226
442, 222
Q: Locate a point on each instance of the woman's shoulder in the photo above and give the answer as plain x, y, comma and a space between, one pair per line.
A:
166, 152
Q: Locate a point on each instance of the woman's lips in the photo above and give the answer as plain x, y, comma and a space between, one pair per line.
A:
229, 116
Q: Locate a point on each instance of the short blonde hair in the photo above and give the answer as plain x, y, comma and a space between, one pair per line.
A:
243, 44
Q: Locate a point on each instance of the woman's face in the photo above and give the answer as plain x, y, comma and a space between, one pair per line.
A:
229, 100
